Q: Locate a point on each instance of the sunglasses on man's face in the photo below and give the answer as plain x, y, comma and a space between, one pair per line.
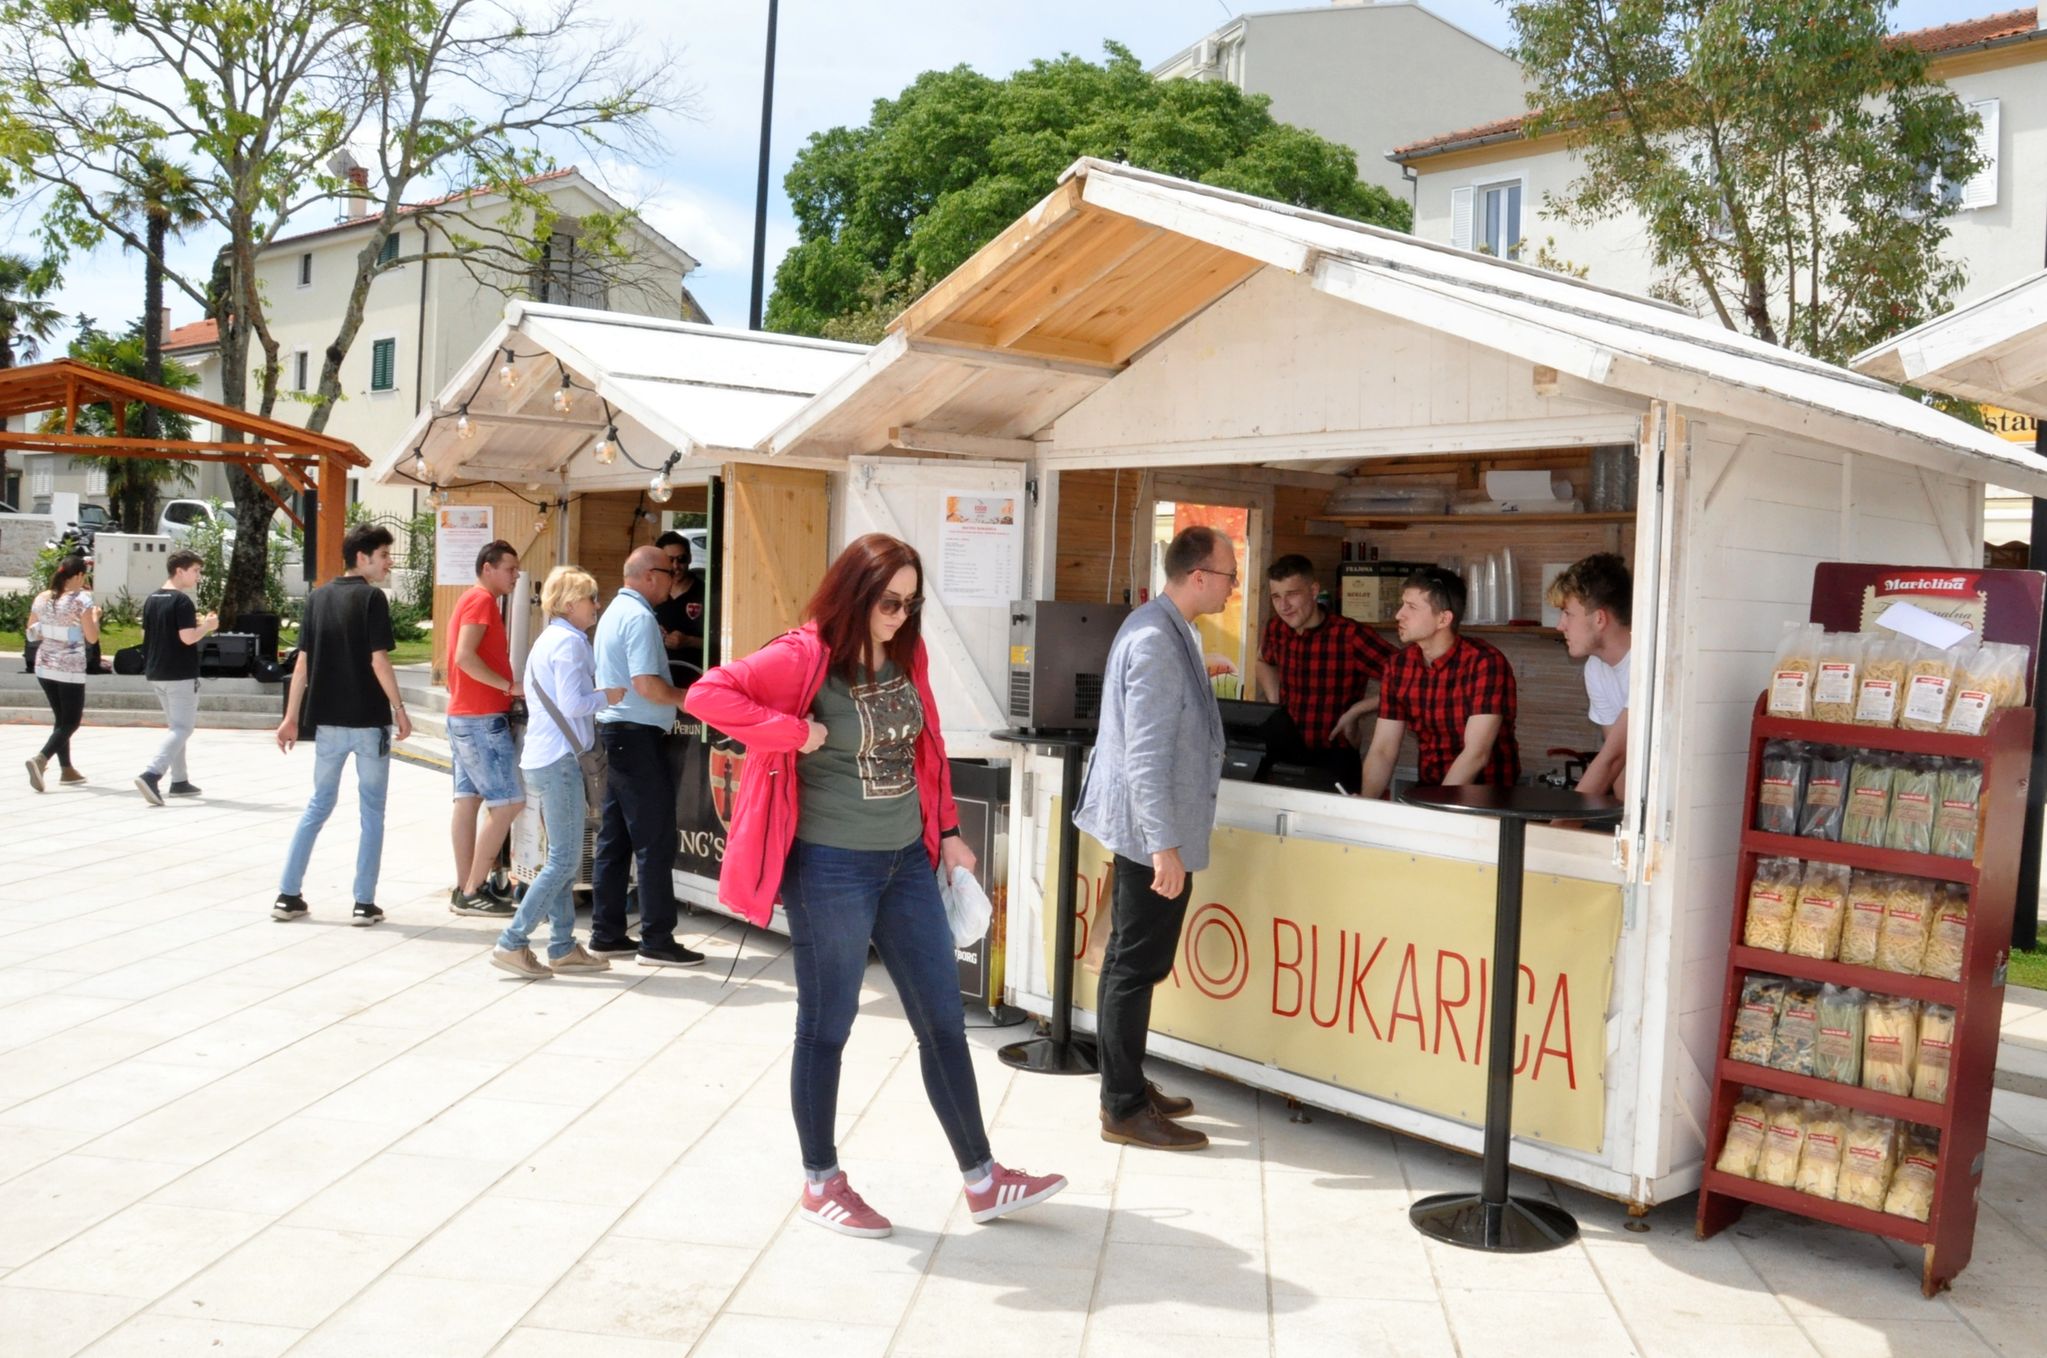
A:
891, 605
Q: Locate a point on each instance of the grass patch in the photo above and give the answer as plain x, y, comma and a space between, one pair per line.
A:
113, 638
2028, 968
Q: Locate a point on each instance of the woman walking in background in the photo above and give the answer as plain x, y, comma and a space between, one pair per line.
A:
845, 808
63, 620
561, 678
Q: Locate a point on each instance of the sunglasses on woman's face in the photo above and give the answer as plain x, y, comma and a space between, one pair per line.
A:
891, 605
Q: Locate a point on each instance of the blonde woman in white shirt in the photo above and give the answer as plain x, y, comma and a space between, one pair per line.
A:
560, 670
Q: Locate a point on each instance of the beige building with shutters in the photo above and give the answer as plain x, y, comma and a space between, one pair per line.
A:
1485, 187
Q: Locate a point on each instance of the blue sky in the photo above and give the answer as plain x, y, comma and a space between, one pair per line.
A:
836, 57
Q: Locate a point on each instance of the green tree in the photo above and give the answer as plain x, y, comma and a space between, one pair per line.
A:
1795, 169
164, 200
26, 320
135, 485
266, 97
936, 172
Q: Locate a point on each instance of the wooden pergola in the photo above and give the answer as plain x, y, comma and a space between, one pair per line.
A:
303, 460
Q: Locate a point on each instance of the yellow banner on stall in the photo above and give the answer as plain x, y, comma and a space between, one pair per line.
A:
1370, 969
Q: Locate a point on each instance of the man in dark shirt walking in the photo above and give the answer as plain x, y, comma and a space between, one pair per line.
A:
344, 696
171, 632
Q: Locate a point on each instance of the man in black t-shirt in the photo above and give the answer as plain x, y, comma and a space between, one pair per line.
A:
684, 614
171, 632
344, 697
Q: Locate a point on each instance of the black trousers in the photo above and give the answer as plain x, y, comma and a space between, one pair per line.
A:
67, 703
638, 825
1144, 933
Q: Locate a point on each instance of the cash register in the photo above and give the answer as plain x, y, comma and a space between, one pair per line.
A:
1261, 744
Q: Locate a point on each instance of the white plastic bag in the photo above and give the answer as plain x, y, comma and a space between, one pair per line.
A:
966, 906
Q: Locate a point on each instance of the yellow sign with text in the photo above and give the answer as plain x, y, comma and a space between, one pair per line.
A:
1371, 969
2010, 425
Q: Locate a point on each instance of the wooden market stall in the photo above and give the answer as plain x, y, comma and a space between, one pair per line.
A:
1136, 348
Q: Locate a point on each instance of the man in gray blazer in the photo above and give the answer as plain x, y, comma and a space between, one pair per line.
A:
1149, 799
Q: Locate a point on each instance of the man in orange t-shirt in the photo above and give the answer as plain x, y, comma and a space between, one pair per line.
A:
481, 687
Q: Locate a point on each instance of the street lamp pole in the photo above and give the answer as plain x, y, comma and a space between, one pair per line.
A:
760, 198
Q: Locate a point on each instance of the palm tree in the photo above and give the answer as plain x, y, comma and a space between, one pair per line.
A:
26, 321
135, 485
162, 198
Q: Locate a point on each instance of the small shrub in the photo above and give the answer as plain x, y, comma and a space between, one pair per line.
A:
122, 612
408, 621
14, 612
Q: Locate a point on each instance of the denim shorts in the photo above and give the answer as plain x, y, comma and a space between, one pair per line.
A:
486, 759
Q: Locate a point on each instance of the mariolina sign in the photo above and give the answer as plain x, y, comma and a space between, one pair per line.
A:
1370, 969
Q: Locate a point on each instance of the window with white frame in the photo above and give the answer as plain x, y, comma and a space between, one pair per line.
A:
301, 363
1981, 190
42, 481
565, 273
306, 269
1487, 218
95, 480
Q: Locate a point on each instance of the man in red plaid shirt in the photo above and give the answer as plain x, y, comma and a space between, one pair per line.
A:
1319, 665
1456, 693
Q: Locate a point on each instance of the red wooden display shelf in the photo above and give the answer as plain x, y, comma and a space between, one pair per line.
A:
2005, 752
1806, 1205
1874, 737
1928, 988
1860, 856
1830, 1091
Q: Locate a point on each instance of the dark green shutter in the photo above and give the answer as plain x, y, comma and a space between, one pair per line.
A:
383, 365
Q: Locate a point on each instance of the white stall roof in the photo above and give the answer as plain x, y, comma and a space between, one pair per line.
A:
1993, 351
1116, 259
706, 392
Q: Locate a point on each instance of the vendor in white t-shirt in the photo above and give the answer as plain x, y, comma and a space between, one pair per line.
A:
1596, 598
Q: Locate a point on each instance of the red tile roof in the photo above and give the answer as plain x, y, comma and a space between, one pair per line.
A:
197, 335
2015, 23
441, 201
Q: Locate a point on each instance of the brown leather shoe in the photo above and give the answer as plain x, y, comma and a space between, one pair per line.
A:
1147, 1129
1167, 1105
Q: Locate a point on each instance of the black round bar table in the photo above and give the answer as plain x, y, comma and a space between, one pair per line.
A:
1059, 1052
1491, 1219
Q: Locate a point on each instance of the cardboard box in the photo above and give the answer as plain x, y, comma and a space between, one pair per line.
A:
1370, 590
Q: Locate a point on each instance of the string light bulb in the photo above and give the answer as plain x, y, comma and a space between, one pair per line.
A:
508, 376
418, 465
463, 428
605, 450
658, 490
564, 399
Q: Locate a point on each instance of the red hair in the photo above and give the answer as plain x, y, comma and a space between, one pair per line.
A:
847, 596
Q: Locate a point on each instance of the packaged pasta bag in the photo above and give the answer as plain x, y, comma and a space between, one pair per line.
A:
1791, 675
2008, 685
1819, 1163
1929, 681
1959, 809
1911, 1191
1908, 916
1869, 801
1822, 906
1866, 1153
1755, 1019
1890, 1044
1743, 1145
1915, 787
1880, 691
1837, 1044
1936, 1053
1868, 894
1826, 793
1798, 1028
1783, 1139
1834, 677
1975, 695
1947, 940
1781, 787
1772, 896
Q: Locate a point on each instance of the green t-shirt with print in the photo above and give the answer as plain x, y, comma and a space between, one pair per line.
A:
860, 787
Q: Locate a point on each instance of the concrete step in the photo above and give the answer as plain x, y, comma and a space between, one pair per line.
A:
98, 700
13, 713
14, 680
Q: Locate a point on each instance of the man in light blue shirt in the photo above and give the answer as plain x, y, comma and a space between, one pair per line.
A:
639, 789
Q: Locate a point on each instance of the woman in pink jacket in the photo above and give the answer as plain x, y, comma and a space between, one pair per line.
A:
845, 809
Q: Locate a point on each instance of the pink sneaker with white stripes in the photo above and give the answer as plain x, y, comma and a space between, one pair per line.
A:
1010, 1190
836, 1207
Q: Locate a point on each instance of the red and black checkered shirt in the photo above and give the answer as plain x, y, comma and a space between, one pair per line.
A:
1323, 670
1434, 701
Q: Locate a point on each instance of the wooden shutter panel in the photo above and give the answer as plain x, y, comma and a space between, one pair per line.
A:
1460, 218
383, 359
1981, 191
